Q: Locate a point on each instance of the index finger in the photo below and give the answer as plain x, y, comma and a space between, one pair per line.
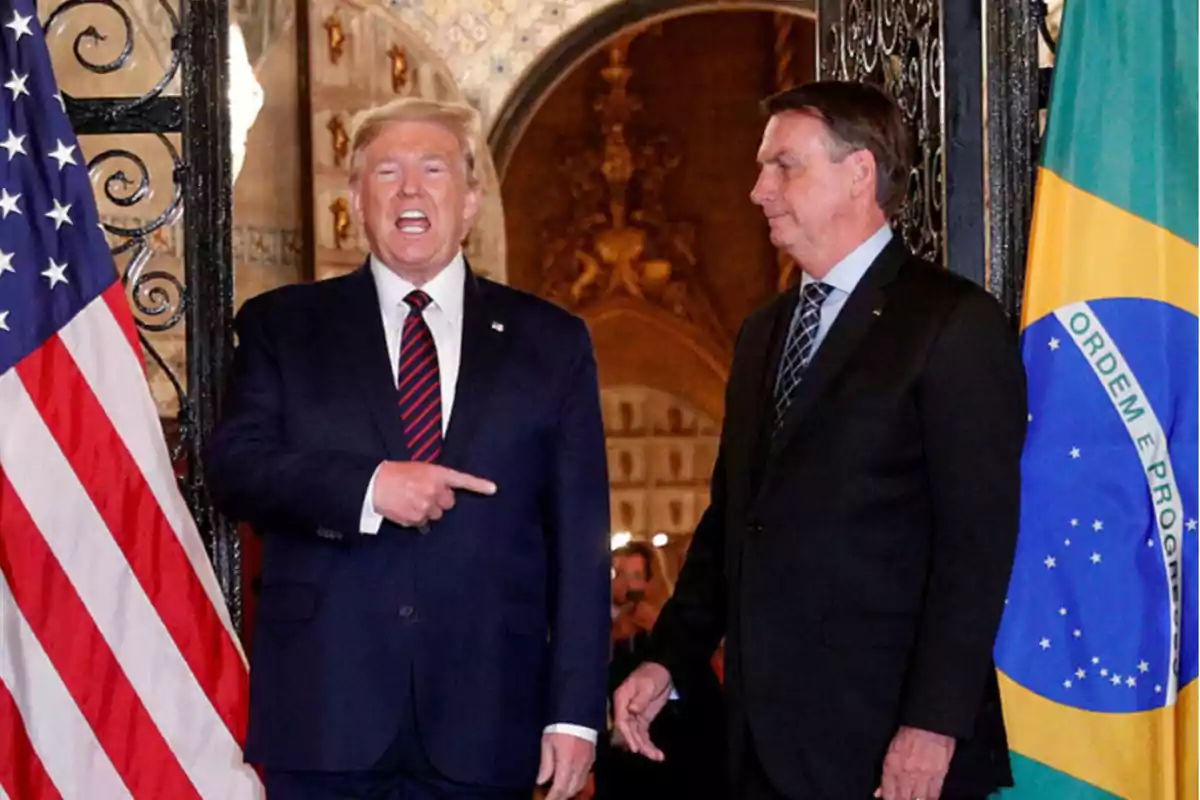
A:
461, 480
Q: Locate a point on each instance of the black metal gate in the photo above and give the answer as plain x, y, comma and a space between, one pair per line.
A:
202, 301
965, 74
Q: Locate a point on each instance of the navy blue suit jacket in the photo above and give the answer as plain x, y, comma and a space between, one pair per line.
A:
495, 623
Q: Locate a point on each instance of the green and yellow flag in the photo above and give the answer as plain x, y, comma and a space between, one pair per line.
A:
1098, 647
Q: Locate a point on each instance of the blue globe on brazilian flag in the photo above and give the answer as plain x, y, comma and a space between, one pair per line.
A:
1098, 648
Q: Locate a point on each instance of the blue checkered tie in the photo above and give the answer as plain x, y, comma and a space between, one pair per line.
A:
798, 350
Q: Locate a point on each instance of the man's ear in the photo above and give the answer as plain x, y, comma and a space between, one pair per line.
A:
471, 204
863, 172
356, 198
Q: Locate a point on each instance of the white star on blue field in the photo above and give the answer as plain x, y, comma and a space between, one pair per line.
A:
1087, 619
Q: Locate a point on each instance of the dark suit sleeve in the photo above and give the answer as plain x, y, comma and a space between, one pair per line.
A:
252, 473
691, 624
973, 414
580, 531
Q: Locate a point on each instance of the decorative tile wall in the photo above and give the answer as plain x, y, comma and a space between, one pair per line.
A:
488, 44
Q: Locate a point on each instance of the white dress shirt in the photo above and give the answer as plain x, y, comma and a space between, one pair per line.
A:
844, 277
444, 316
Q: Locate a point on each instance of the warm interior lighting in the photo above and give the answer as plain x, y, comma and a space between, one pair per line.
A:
245, 98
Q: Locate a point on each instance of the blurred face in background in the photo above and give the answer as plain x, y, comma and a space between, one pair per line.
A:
629, 579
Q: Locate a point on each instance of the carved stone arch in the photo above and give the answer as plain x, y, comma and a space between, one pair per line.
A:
631, 271
361, 54
577, 44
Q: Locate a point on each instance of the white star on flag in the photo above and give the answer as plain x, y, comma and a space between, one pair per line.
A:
16, 85
8, 203
1096, 660
56, 272
14, 144
1104, 672
1050, 562
1079, 673
20, 25
1062, 612
1143, 667
60, 214
1131, 682
1044, 643
6, 263
1067, 542
1067, 683
1097, 526
1116, 679
1054, 344
1095, 558
1074, 452
62, 154
1077, 633
4, 321
1158, 690
1191, 524
1074, 523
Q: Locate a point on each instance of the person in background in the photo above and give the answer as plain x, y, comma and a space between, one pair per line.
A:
690, 727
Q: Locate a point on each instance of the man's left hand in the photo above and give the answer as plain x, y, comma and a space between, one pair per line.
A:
567, 759
915, 766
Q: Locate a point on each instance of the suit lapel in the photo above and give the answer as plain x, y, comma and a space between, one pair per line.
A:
854, 321
759, 417
366, 356
483, 339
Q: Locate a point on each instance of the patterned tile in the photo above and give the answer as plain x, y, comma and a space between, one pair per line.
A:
488, 44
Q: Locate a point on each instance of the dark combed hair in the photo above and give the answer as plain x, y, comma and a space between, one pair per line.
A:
859, 116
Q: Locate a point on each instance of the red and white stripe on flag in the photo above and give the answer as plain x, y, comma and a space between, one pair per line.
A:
120, 674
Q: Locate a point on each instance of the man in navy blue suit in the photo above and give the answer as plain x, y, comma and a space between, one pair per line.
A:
423, 453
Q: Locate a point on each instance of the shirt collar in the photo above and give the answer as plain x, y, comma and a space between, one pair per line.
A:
846, 274
445, 290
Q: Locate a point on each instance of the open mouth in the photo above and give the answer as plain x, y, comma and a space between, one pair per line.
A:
413, 222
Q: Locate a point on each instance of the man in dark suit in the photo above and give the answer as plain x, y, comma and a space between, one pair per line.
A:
423, 453
857, 549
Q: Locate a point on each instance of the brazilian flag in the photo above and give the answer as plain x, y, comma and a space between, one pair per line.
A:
1097, 650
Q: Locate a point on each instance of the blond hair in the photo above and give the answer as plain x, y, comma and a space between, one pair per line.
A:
459, 118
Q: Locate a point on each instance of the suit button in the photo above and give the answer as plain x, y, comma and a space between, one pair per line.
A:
754, 529
406, 612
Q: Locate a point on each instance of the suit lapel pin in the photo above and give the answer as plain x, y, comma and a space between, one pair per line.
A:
878, 312
498, 327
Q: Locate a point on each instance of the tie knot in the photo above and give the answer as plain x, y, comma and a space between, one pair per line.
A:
418, 301
815, 293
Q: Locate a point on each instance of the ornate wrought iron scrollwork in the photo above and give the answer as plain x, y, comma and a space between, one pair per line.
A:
159, 299
117, 106
194, 39
1041, 12
897, 44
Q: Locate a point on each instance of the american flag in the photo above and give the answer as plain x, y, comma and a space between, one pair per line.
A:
120, 673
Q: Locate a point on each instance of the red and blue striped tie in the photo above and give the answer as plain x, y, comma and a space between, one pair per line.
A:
419, 386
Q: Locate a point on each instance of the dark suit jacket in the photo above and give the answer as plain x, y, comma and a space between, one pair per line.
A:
859, 558
496, 622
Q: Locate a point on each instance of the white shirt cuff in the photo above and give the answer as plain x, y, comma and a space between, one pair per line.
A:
371, 520
572, 730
